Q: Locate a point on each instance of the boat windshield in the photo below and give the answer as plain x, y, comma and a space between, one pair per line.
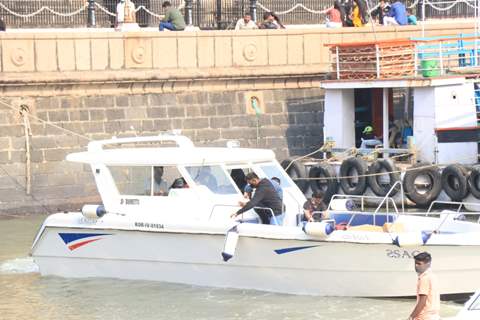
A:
273, 170
213, 177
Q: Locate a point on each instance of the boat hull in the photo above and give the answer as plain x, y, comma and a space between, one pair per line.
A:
279, 265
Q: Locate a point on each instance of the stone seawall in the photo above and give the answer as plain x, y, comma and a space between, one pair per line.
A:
97, 84
290, 123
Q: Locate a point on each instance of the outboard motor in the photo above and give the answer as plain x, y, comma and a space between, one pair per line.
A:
93, 211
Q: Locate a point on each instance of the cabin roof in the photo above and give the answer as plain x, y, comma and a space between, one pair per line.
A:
172, 156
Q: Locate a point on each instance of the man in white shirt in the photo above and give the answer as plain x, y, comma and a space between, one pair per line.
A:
130, 14
246, 23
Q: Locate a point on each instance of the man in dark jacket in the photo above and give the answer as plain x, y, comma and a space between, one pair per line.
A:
265, 197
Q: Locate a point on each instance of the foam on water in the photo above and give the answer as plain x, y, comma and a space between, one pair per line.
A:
19, 265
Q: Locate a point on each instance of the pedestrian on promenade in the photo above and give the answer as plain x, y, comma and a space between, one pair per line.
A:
246, 23
397, 16
125, 13
173, 19
268, 21
358, 16
3, 26
428, 297
335, 16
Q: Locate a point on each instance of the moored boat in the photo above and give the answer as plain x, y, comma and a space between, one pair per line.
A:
185, 234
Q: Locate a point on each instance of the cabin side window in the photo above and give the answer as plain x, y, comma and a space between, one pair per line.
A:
147, 180
212, 177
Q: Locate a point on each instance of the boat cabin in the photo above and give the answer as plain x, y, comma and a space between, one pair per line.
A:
167, 175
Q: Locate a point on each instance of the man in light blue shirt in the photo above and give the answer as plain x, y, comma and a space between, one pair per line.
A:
397, 15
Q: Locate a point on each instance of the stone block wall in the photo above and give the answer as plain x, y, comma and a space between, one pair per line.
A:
291, 123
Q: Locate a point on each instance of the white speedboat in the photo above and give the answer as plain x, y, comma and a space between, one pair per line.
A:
186, 235
471, 309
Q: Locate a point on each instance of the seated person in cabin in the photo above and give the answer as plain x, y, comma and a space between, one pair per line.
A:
179, 183
368, 138
157, 187
264, 197
314, 208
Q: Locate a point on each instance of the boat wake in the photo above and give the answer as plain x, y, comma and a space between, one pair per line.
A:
19, 265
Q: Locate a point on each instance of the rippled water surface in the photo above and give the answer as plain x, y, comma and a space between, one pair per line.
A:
24, 294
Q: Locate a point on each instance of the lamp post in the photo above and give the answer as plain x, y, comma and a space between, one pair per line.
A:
91, 14
253, 10
189, 12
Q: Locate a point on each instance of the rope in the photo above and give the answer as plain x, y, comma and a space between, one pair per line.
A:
43, 8
99, 6
46, 122
18, 184
28, 134
431, 4
295, 7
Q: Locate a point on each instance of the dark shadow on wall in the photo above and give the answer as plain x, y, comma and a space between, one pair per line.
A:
305, 125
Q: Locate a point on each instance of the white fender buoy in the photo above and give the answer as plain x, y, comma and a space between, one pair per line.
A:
93, 211
342, 204
318, 229
231, 240
412, 239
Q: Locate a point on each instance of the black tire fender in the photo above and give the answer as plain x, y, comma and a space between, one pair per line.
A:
324, 170
473, 182
454, 182
422, 199
295, 170
374, 181
346, 180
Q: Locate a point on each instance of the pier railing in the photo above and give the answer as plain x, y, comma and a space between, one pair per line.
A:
206, 14
407, 58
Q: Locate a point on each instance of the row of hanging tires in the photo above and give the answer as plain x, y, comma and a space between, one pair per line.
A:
422, 182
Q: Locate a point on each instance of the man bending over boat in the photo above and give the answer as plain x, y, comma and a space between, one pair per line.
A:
314, 207
428, 297
265, 201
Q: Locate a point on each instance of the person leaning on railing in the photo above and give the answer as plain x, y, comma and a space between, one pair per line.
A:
3, 26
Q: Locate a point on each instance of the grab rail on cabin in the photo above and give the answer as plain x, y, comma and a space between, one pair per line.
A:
362, 199
181, 141
460, 205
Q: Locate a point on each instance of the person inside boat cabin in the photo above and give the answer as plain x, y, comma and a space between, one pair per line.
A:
159, 187
314, 208
368, 138
428, 296
265, 201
